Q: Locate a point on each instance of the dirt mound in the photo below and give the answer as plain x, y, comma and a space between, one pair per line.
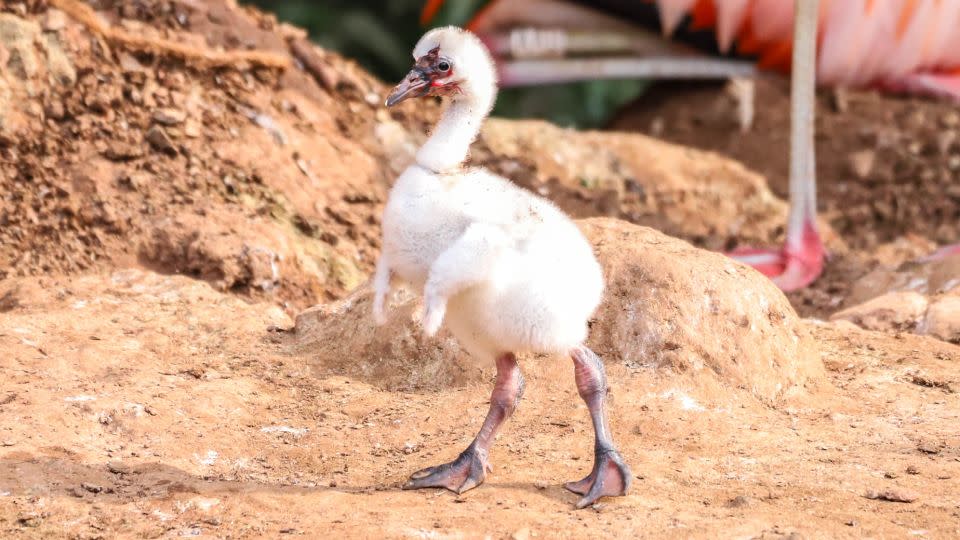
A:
696, 314
888, 167
701, 197
119, 151
684, 316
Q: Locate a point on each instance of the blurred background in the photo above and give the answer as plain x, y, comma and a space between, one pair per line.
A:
380, 35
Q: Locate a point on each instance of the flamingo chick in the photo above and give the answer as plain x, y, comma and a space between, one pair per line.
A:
506, 270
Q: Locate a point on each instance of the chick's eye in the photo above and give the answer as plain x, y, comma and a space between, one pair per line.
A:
443, 66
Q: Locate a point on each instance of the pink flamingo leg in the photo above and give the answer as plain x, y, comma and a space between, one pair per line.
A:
801, 260
943, 253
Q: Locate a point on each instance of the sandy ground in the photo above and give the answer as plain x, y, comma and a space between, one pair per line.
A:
142, 405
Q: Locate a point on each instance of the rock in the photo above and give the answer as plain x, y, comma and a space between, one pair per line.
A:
689, 312
896, 311
159, 139
893, 495
59, 66
928, 447
122, 151
943, 319
669, 307
55, 110
738, 502
168, 116
92, 488
945, 142
129, 63
118, 467
54, 20
921, 296
17, 36
521, 534
192, 129
861, 163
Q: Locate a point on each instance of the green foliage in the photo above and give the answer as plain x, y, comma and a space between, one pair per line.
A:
380, 33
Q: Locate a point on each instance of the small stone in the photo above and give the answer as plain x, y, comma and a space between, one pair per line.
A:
117, 467
893, 495
522, 534
129, 64
169, 117
851, 523
121, 151
738, 502
192, 129
861, 163
895, 311
928, 447
92, 488
953, 163
890, 475
912, 469
54, 21
945, 141
55, 109
841, 100
950, 120
159, 139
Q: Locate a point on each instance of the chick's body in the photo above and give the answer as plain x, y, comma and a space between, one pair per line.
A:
539, 281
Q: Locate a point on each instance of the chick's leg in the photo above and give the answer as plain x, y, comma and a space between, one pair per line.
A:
471, 466
610, 475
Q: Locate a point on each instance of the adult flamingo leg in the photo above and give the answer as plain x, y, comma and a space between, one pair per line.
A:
801, 259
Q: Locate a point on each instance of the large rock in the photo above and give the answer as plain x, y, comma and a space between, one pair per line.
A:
670, 309
920, 296
684, 311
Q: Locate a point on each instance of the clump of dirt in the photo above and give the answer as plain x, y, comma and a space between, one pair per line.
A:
119, 150
888, 167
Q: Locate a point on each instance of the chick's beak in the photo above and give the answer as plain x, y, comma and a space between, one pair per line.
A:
415, 84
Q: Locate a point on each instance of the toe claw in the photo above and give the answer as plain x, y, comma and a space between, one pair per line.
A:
460, 475
610, 477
